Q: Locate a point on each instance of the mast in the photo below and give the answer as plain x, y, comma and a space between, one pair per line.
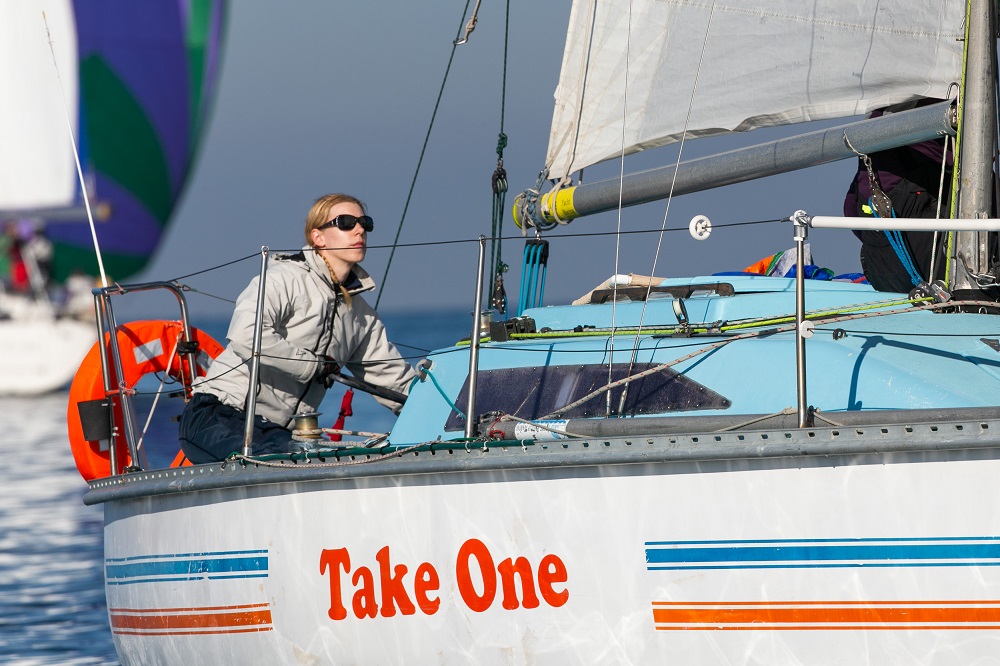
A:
978, 122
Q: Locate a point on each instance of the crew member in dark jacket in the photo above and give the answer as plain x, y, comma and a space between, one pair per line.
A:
910, 176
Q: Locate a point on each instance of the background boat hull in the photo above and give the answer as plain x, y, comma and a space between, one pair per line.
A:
41, 355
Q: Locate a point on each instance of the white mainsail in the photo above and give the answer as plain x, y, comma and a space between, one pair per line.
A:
708, 68
36, 158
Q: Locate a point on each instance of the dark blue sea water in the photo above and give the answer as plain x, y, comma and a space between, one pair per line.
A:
52, 606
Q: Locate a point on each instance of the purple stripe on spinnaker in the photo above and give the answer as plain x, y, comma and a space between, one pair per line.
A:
139, 237
144, 46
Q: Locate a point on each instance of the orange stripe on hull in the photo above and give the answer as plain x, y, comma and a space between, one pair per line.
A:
174, 621
827, 615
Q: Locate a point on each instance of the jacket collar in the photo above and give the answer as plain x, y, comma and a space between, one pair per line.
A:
360, 283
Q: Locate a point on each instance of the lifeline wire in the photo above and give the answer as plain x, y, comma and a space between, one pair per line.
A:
451, 242
574, 235
215, 268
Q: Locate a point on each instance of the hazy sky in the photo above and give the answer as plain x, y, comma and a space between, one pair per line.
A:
321, 96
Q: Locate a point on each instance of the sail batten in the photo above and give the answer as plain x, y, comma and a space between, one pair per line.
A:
733, 67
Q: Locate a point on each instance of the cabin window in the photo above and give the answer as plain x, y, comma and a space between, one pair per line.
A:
534, 392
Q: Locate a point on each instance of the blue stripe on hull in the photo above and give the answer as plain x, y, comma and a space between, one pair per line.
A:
186, 566
823, 553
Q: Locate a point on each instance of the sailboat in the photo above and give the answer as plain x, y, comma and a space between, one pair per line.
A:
76, 73
734, 469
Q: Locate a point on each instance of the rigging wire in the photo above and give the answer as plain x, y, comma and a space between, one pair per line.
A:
680, 151
498, 298
673, 181
420, 160
209, 295
951, 251
76, 158
618, 228
949, 144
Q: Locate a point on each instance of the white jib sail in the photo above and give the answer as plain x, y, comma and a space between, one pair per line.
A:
711, 67
37, 169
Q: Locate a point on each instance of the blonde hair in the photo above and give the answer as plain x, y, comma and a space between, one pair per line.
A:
320, 212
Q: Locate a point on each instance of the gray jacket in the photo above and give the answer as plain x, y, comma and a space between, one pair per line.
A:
305, 317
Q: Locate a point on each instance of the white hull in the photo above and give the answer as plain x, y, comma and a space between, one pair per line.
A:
882, 558
41, 354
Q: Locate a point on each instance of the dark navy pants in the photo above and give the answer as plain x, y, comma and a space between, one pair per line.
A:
211, 430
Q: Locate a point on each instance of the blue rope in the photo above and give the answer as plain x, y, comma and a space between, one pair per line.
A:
524, 274
527, 278
443, 394
896, 240
541, 285
536, 251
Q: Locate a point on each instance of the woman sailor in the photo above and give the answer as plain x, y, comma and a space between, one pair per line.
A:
313, 320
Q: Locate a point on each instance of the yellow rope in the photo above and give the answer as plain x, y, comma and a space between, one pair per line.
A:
739, 325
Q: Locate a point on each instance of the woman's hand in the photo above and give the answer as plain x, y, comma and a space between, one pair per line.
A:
328, 370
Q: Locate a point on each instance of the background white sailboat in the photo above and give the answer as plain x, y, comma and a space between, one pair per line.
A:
132, 85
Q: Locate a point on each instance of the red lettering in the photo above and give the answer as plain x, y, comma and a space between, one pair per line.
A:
477, 549
389, 594
522, 567
393, 591
426, 580
334, 560
552, 570
363, 603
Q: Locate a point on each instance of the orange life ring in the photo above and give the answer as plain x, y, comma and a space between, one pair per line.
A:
145, 347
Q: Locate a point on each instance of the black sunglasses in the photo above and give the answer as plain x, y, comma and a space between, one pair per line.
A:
346, 222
